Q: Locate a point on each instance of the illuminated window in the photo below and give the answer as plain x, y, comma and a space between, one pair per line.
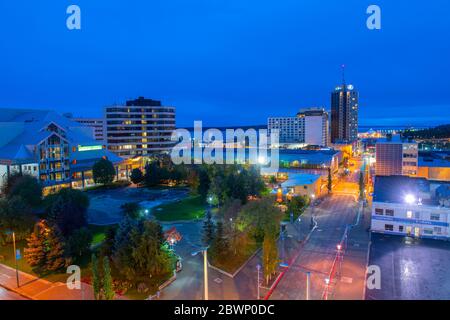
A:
409, 214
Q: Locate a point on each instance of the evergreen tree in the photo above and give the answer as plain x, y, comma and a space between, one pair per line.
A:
208, 229
136, 176
55, 257
34, 253
361, 185
330, 181
103, 171
220, 246
95, 277
107, 280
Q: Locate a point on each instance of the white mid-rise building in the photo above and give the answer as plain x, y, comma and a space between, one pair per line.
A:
413, 207
309, 127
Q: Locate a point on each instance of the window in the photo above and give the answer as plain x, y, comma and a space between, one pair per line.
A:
409, 214
388, 227
437, 230
379, 211
389, 212
435, 216
427, 231
400, 228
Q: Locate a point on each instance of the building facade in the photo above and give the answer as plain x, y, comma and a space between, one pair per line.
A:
412, 207
310, 127
344, 114
97, 125
396, 156
141, 127
57, 151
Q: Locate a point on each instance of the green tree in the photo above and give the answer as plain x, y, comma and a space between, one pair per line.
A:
45, 248
96, 283
297, 205
107, 280
220, 245
24, 186
79, 243
256, 216
68, 209
330, 181
204, 182
270, 254
103, 171
35, 251
361, 185
136, 176
208, 229
131, 210
17, 216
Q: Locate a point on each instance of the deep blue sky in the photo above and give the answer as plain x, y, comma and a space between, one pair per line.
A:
228, 62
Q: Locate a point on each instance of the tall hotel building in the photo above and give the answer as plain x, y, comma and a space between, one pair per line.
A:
344, 114
310, 126
141, 127
396, 156
96, 124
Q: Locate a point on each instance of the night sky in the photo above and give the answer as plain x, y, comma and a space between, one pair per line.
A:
228, 62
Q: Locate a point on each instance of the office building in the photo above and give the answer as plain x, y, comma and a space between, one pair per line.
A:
396, 156
141, 127
97, 125
57, 151
309, 127
413, 207
344, 114
434, 165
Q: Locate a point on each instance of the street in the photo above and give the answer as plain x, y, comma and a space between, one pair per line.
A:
318, 254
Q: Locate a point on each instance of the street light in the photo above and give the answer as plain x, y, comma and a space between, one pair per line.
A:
410, 199
15, 256
205, 270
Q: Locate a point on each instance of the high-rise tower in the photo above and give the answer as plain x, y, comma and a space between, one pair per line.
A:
344, 112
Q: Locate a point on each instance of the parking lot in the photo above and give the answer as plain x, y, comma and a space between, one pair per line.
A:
411, 269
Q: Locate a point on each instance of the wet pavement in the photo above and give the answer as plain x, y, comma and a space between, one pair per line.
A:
411, 269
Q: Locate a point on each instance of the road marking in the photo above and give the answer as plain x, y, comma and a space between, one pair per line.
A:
218, 280
347, 280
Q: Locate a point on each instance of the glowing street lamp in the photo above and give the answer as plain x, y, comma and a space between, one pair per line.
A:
339, 247
410, 199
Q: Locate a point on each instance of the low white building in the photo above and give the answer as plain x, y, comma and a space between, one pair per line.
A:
413, 207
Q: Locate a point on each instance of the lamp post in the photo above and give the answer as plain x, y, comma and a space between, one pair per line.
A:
205, 270
308, 285
15, 256
258, 268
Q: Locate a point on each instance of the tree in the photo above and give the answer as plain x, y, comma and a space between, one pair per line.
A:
204, 182
107, 280
256, 216
108, 244
45, 248
34, 253
361, 185
220, 246
79, 243
270, 254
131, 210
139, 252
103, 171
136, 176
330, 181
68, 209
297, 205
16, 215
95, 277
24, 186
208, 229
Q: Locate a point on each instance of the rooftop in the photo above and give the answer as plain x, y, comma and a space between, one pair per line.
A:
403, 189
300, 179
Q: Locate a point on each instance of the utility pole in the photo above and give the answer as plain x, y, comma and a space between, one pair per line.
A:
258, 268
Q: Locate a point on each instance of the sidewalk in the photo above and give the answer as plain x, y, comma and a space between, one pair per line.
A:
352, 281
40, 289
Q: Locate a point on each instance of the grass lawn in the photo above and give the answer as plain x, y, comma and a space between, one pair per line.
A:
98, 233
187, 209
233, 263
6, 252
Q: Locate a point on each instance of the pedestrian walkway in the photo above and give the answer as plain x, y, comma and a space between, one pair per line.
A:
39, 289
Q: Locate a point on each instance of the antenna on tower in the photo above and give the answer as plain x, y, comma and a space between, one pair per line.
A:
343, 74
